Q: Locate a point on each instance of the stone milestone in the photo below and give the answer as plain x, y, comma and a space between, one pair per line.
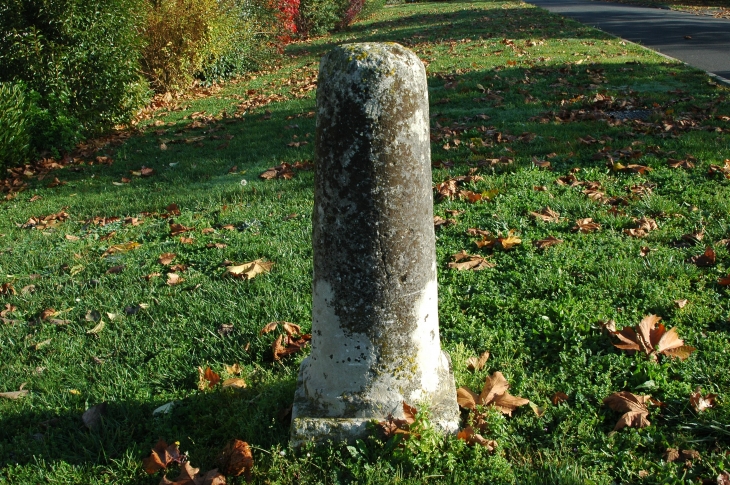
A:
375, 334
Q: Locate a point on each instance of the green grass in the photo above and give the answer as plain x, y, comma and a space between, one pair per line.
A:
537, 311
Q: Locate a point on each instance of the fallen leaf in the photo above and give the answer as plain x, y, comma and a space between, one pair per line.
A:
704, 260
162, 456
269, 327
633, 407
249, 270
393, 426
225, 329
207, 379
471, 437
681, 303
673, 454
463, 261
121, 248
92, 316
97, 329
235, 382
546, 215
477, 363
291, 328
71, 237
92, 416
237, 459
42, 344
152, 275
285, 346
547, 242
700, 402
14, 394
174, 279
187, 240
586, 225
177, 229
166, 258
439, 221
494, 393
539, 412
559, 397
234, 369
652, 340
115, 269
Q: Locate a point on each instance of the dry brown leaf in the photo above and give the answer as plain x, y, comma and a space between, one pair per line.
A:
249, 270
166, 258
705, 259
546, 215
477, 363
115, 269
681, 303
191, 476
237, 459
174, 279
724, 280
586, 225
652, 340
162, 456
399, 426
494, 393
177, 229
473, 438
285, 346
559, 397
186, 240
439, 221
633, 407
14, 394
291, 329
463, 261
207, 379
547, 242
700, 402
269, 327
234, 369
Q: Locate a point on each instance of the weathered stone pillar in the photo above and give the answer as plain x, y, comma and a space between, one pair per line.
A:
375, 335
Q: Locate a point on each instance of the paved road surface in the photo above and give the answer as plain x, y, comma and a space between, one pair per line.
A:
661, 30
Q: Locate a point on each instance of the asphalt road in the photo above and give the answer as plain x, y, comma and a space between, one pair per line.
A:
661, 30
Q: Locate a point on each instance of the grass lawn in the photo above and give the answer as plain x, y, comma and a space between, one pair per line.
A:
507, 82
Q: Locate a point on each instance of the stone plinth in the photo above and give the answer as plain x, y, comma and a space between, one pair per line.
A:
375, 335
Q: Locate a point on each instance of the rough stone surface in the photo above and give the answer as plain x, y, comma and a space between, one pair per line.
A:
375, 305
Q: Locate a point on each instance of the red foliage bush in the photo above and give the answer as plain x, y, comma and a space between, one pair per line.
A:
354, 8
288, 12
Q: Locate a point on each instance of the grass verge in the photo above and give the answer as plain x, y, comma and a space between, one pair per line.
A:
511, 83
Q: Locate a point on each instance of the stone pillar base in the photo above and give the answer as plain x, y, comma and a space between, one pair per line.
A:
311, 425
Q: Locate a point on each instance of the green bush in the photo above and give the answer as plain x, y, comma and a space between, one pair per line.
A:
14, 126
317, 17
242, 40
79, 61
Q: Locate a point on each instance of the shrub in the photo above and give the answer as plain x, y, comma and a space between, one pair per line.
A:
79, 61
244, 39
317, 17
209, 39
14, 129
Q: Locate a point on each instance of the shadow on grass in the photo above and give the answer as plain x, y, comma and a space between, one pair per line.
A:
203, 423
418, 29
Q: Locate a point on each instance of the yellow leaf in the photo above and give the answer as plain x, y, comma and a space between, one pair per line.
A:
235, 382
250, 270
